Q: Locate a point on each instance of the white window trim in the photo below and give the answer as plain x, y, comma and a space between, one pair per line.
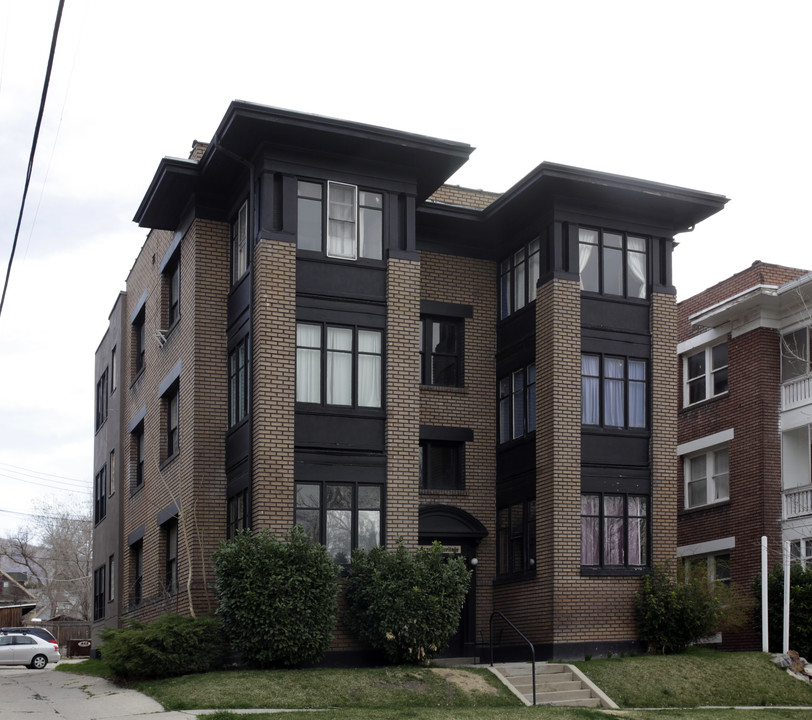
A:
709, 476
703, 443
707, 548
709, 371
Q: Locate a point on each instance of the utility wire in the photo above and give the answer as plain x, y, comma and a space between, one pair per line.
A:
33, 146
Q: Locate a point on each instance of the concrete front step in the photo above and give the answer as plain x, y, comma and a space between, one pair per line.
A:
556, 684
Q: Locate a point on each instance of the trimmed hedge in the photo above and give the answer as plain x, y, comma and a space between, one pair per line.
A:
406, 605
171, 645
278, 599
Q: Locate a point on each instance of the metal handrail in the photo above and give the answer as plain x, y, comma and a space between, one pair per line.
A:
523, 637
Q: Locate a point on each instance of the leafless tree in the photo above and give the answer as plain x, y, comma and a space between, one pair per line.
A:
55, 552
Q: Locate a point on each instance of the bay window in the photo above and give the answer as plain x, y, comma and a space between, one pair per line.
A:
239, 367
339, 366
351, 220
517, 403
239, 244
614, 530
613, 391
518, 277
612, 263
341, 516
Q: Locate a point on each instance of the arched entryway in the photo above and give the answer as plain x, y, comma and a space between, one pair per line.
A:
461, 532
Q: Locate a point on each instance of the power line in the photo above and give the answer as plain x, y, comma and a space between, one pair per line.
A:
33, 147
39, 475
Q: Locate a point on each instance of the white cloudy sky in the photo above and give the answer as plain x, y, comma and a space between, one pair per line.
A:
712, 95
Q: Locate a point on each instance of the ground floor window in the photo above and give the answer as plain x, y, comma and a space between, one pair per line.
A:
342, 516
137, 559
801, 553
614, 530
171, 562
237, 518
98, 593
716, 567
516, 538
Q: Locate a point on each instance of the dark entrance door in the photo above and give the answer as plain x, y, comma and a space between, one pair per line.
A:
461, 533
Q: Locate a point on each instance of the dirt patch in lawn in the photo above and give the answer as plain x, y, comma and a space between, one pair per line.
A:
466, 681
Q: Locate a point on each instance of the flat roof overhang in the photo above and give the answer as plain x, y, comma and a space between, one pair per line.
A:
247, 127
551, 186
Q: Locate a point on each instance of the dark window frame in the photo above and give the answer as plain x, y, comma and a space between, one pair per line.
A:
604, 380
429, 353
603, 567
170, 536
102, 399
237, 514
308, 202
355, 365
99, 585
111, 578
518, 277
516, 539
516, 400
139, 341
606, 250
171, 400
172, 275
321, 510
454, 479
138, 453
239, 382
100, 495
137, 566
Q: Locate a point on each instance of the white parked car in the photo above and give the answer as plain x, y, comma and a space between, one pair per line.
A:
28, 650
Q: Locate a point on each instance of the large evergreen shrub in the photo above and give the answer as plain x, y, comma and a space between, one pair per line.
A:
278, 599
672, 614
800, 609
171, 645
407, 605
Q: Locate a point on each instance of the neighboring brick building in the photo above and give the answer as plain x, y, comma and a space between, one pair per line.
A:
319, 331
744, 425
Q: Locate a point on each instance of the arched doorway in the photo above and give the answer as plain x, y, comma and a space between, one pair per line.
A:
461, 532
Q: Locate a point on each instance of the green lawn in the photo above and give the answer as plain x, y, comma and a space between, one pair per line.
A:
637, 684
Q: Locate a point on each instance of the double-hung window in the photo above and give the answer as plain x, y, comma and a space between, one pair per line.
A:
342, 516
101, 400
137, 568
138, 454
516, 538
239, 244
171, 555
518, 277
98, 593
239, 367
614, 530
348, 226
139, 340
173, 293
613, 263
705, 373
338, 366
801, 552
715, 567
100, 495
441, 344
171, 402
517, 403
707, 477
613, 391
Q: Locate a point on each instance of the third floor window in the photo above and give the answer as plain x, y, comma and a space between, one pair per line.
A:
705, 374
612, 263
349, 225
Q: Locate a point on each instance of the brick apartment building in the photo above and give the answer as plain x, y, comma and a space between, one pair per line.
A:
317, 330
744, 425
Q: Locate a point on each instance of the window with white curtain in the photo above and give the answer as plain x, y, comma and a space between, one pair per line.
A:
352, 223
612, 263
614, 530
343, 370
613, 391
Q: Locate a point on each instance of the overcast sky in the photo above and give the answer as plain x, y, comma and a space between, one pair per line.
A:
710, 95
